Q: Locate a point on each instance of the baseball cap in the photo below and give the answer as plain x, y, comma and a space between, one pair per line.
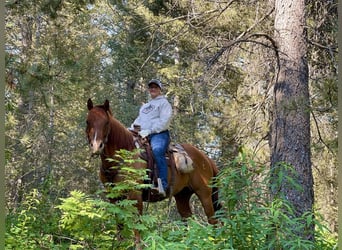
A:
156, 81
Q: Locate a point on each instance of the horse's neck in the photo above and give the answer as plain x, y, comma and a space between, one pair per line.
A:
119, 137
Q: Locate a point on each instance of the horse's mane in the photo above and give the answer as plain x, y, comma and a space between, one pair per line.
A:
123, 138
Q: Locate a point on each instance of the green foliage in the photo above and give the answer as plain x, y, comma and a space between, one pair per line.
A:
33, 225
249, 219
254, 220
92, 223
179, 235
132, 178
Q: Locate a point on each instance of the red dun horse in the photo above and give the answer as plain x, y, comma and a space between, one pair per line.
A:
106, 135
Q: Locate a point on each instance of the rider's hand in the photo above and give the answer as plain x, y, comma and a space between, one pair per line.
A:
144, 133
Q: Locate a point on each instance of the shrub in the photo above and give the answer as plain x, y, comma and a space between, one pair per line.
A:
33, 225
92, 223
249, 219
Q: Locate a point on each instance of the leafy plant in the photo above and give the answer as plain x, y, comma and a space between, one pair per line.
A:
32, 226
255, 221
132, 178
249, 219
93, 223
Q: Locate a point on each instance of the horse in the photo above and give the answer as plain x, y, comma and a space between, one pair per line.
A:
106, 135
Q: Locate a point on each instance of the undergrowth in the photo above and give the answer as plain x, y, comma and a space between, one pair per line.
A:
249, 218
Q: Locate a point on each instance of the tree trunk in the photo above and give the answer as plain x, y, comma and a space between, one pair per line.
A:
290, 131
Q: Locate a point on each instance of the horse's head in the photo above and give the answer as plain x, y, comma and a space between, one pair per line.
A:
98, 126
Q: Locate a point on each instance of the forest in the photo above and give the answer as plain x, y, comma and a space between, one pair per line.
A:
252, 84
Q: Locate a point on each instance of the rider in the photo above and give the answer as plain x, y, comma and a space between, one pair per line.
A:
154, 119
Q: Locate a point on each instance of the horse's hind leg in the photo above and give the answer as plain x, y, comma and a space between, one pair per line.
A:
183, 202
204, 194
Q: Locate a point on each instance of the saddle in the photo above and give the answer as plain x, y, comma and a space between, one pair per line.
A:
177, 160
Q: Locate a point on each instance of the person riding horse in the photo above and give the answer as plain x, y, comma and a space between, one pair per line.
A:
106, 136
154, 119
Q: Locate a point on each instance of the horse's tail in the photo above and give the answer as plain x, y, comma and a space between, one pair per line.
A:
215, 192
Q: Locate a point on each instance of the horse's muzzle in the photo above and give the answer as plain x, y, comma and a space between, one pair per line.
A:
96, 147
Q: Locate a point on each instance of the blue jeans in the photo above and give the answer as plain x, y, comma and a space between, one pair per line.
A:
159, 144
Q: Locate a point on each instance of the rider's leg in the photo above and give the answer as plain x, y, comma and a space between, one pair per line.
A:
159, 145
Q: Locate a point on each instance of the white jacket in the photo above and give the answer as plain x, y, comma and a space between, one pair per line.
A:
155, 115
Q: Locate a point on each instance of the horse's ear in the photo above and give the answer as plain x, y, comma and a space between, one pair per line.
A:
90, 104
106, 105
